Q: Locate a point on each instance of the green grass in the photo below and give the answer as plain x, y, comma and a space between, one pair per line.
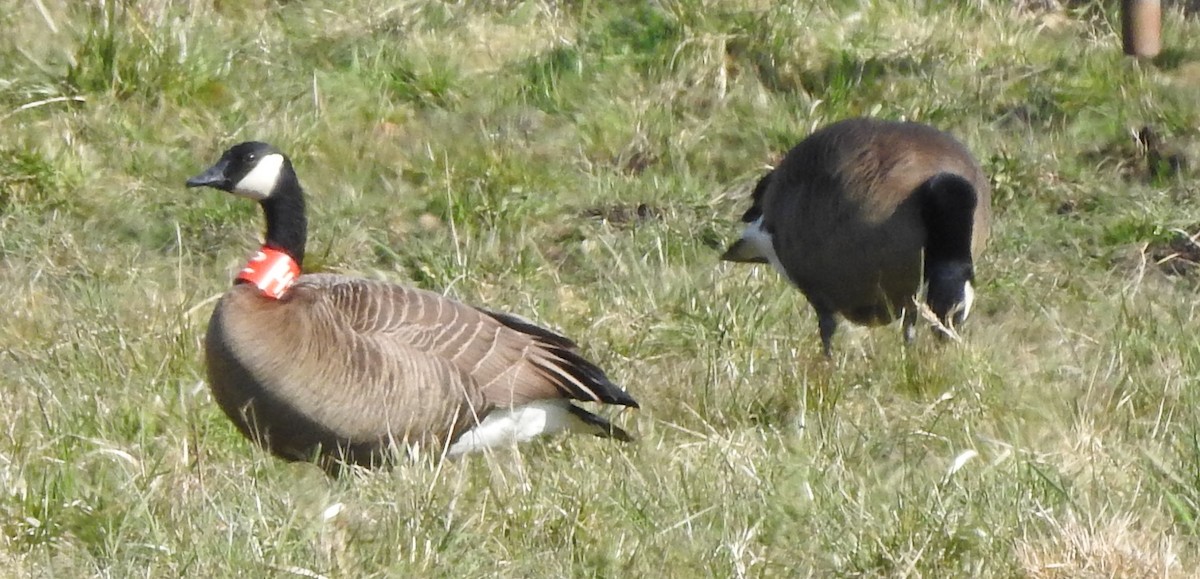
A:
474, 149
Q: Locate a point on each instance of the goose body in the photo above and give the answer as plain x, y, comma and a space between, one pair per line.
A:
342, 369
863, 213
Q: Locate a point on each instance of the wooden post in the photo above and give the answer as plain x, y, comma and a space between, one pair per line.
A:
1141, 27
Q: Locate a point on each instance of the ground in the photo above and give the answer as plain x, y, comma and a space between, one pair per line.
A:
582, 164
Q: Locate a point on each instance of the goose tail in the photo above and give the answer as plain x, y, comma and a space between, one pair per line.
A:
597, 425
755, 245
575, 376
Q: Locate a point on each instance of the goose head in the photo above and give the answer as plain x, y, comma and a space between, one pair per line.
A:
950, 294
251, 170
260, 172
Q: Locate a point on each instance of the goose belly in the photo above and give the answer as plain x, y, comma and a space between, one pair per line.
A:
507, 427
869, 282
293, 401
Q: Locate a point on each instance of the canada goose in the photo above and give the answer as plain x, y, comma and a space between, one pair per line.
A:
339, 369
859, 210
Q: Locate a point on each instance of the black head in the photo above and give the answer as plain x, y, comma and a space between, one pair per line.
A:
249, 169
950, 294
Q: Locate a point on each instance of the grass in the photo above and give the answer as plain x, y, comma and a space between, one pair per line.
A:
496, 152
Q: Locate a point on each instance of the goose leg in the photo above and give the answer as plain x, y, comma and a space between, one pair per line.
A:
827, 323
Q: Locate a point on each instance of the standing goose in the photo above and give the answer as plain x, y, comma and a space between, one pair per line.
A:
863, 213
338, 369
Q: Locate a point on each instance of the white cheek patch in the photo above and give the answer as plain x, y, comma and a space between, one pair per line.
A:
260, 181
968, 300
761, 241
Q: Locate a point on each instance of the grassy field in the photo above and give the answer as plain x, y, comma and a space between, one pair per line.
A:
499, 152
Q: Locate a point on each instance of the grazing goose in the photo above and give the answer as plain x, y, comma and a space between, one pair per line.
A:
859, 211
338, 369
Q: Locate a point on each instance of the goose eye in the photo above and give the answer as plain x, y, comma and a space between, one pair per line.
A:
250, 157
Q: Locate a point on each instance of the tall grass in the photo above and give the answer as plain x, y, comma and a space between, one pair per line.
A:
499, 152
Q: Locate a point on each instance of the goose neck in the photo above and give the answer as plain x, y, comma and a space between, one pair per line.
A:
284, 212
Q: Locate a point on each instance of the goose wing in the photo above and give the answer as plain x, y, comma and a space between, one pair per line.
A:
511, 361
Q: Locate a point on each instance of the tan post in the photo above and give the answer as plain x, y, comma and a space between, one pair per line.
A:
1141, 27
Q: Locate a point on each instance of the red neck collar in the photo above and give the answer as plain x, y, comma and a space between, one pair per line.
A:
272, 271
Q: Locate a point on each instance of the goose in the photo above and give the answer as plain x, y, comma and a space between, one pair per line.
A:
864, 213
341, 370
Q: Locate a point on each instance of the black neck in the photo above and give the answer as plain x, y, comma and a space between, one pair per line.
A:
287, 226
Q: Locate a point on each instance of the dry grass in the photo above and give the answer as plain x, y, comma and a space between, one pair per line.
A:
1119, 546
500, 152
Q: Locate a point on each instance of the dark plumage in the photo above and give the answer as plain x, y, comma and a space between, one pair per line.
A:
862, 213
